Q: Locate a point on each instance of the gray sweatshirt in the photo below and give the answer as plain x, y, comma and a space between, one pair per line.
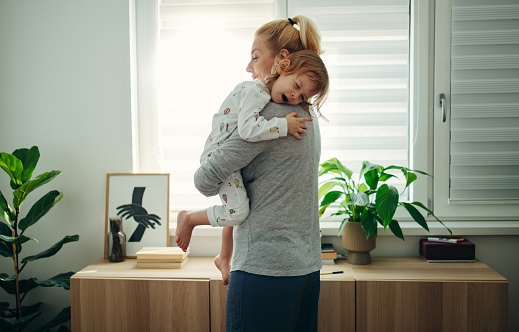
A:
280, 237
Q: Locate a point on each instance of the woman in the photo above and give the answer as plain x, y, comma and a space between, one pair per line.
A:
274, 279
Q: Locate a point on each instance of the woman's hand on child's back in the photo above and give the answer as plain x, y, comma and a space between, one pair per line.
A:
296, 125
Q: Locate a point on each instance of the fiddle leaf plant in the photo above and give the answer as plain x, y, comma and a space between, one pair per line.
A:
20, 166
369, 200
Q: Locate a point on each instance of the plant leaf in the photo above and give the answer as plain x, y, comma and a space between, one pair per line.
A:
329, 166
28, 310
60, 280
360, 199
371, 178
26, 285
13, 167
322, 210
422, 172
339, 213
367, 166
325, 188
401, 168
7, 283
331, 197
395, 228
431, 213
16, 325
29, 159
386, 202
369, 223
6, 211
6, 325
21, 193
61, 318
386, 176
52, 250
18, 240
3, 276
416, 214
343, 169
362, 188
39, 209
63, 328
410, 178
6, 249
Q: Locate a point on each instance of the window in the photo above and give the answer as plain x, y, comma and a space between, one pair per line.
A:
202, 53
477, 129
388, 62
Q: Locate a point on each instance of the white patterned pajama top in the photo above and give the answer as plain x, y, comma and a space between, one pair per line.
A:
241, 109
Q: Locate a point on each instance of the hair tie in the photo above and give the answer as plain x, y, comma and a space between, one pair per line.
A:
291, 22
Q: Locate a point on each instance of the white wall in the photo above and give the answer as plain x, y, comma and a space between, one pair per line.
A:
65, 87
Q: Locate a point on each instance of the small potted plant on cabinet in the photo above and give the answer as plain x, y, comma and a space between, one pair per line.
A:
367, 202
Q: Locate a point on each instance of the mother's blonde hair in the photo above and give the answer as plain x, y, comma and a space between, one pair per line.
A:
282, 34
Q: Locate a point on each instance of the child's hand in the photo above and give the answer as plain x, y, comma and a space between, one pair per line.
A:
296, 125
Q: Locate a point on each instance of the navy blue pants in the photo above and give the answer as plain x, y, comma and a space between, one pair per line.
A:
264, 303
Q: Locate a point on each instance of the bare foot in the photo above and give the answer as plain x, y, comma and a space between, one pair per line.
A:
224, 265
184, 231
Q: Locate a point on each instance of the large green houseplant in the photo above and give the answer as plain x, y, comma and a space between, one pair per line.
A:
369, 200
20, 166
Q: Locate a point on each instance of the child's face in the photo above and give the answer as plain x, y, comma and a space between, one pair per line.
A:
292, 89
261, 60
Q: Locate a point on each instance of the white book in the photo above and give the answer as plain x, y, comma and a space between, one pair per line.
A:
169, 254
157, 265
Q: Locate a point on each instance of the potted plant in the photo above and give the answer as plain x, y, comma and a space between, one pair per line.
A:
20, 166
367, 202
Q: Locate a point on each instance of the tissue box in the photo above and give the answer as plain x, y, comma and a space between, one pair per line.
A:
461, 251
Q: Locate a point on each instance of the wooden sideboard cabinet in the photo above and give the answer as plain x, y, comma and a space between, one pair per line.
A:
120, 297
391, 294
409, 294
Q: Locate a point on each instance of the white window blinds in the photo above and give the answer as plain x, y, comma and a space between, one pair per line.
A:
366, 50
204, 49
484, 116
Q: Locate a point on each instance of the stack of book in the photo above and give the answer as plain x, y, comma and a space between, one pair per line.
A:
328, 253
161, 258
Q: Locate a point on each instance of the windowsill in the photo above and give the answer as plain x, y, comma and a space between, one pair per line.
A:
331, 228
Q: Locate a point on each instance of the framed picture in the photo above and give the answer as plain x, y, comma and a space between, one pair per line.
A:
142, 202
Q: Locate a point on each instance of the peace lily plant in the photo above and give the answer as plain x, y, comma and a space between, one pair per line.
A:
369, 200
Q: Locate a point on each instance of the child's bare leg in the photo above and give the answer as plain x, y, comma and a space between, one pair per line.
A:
186, 221
223, 260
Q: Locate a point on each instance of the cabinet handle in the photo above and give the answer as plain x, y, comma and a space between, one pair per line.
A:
443, 105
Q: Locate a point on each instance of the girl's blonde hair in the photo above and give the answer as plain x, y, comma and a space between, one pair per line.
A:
304, 63
295, 34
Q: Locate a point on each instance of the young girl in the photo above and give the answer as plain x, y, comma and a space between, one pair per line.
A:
300, 77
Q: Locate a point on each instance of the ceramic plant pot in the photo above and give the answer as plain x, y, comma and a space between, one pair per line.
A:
354, 240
